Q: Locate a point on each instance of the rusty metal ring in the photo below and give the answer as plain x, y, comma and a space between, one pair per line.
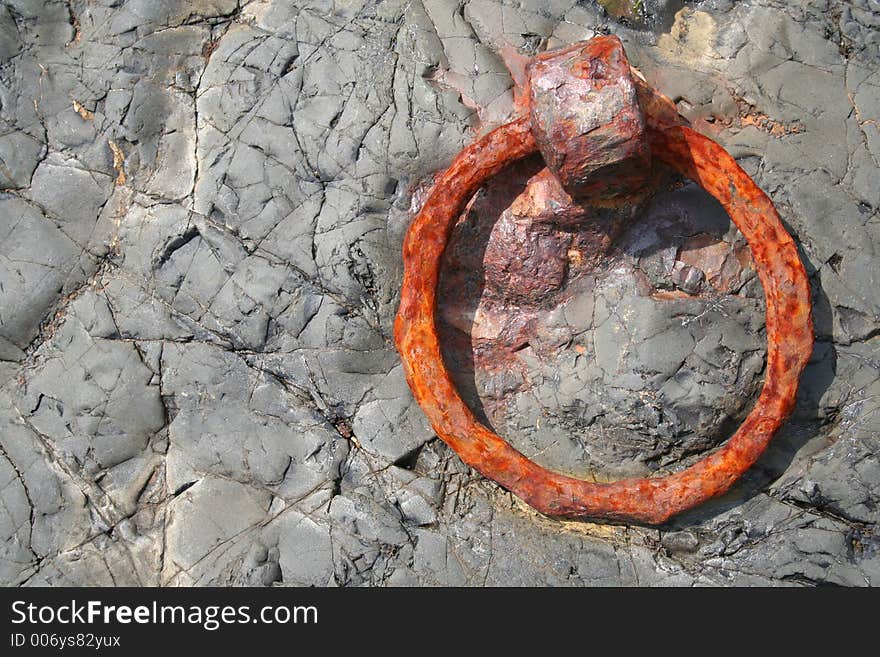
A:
649, 500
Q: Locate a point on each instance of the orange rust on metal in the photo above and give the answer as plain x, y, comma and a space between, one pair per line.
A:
650, 500
583, 102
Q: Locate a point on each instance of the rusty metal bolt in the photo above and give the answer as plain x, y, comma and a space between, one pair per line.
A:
587, 121
615, 149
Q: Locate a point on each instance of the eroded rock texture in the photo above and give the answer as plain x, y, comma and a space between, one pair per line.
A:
201, 214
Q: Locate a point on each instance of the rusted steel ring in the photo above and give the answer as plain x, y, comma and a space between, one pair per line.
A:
650, 500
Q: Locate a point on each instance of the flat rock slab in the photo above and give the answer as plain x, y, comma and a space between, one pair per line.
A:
202, 206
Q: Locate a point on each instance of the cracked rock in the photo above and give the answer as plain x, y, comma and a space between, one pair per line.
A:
202, 207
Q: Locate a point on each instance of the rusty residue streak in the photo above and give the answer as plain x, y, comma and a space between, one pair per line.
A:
118, 162
650, 500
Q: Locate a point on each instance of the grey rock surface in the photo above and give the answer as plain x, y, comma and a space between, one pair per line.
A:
202, 205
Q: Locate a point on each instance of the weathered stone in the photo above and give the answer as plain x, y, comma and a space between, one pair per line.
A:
214, 324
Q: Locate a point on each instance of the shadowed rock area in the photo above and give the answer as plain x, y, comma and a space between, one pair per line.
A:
202, 206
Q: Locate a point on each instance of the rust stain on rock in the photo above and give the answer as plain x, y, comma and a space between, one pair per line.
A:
82, 111
118, 162
721, 262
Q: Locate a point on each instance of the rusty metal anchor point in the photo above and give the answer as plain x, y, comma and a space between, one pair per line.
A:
598, 127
